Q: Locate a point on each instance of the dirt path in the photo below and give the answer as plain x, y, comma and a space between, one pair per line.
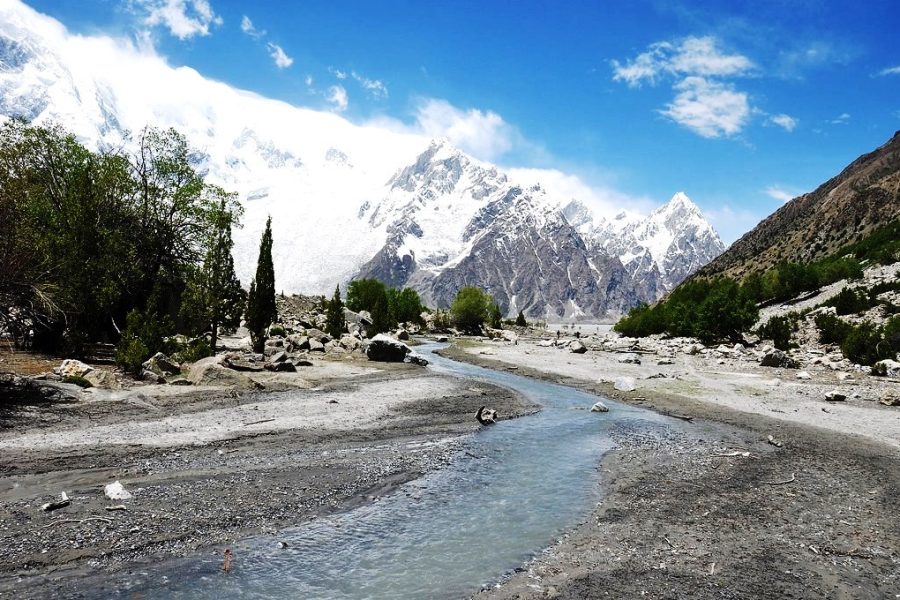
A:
208, 468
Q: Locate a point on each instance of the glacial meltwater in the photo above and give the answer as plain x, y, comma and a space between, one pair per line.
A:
513, 490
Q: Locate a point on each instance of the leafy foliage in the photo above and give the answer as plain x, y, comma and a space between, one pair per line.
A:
496, 316
471, 308
399, 306
780, 329
709, 310
145, 334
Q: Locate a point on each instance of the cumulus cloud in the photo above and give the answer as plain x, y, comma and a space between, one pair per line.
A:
482, 133
779, 193
890, 71
183, 18
282, 60
338, 73
250, 29
691, 56
786, 122
337, 96
708, 108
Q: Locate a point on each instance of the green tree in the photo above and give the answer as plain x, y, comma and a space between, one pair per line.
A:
363, 294
406, 306
496, 317
381, 321
470, 309
213, 297
261, 310
334, 315
520, 320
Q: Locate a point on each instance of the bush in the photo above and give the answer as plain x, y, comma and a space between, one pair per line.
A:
471, 308
520, 320
779, 330
862, 344
892, 334
850, 302
277, 330
832, 330
194, 351
144, 336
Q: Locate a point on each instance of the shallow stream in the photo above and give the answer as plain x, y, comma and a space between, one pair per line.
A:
516, 487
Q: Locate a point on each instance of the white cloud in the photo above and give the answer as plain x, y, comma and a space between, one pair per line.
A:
282, 60
338, 73
708, 108
779, 193
250, 29
482, 133
786, 122
183, 18
691, 56
308, 80
841, 119
337, 96
373, 86
890, 71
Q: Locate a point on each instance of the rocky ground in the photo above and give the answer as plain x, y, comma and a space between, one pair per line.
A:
813, 512
207, 467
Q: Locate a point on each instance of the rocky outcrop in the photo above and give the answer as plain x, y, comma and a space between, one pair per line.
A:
382, 348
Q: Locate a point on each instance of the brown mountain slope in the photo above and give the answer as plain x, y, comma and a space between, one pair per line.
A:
843, 210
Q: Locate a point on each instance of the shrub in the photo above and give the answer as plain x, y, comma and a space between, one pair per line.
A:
779, 330
850, 302
277, 330
520, 320
194, 351
862, 344
832, 330
144, 336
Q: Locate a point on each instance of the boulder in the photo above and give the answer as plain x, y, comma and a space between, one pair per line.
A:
151, 377
835, 396
302, 363
417, 359
299, 342
209, 371
180, 381
402, 334
442, 339
279, 357
116, 491
72, 368
778, 359
315, 334
666, 361
386, 349
161, 364
886, 368
281, 367
350, 342
577, 347
630, 359
803, 375
316, 346
245, 362
890, 399
599, 407
625, 384
102, 379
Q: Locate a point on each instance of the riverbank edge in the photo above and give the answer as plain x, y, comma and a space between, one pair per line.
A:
435, 435
585, 562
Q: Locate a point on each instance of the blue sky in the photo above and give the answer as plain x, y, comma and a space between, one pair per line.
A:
739, 104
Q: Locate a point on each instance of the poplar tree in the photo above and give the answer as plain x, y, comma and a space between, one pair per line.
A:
261, 311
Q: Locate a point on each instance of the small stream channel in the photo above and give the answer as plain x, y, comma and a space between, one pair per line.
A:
513, 490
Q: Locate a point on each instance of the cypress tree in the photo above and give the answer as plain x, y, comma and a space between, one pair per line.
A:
520, 320
496, 317
335, 322
261, 311
380, 317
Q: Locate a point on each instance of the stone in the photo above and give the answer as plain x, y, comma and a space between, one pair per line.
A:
886, 368
279, 357
209, 371
315, 334
630, 359
281, 367
890, 399
382, 348
417, 359
577, 347
299, 342
162, 365
116, 491
316, 346
625, 384
835, 396
102, 379
803, 375
72, 368
302, 363
402, 334
350, 342
151, 377
666, 361
599, 407
243, 363
442, 339
778, 359
181, 381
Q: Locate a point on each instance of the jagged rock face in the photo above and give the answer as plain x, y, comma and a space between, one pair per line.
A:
864, 196
453, 222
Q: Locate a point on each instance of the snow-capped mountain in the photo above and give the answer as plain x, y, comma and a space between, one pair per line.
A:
351, 200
